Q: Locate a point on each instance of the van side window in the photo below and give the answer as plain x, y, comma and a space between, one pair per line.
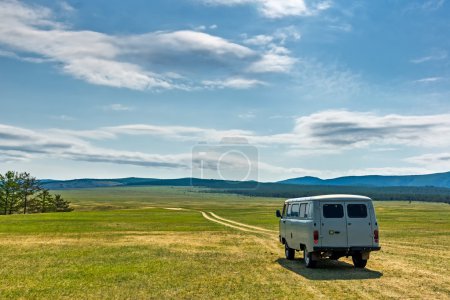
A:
288, 214
334, 211
284, 211
357, 211
294, 210
304, 210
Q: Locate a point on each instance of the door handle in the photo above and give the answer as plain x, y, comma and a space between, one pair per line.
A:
337, 232
349, 223
284, 221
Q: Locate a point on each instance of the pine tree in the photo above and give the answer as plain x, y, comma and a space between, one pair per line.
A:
60, 204
44, 201
22, 192
10, 195
29, 186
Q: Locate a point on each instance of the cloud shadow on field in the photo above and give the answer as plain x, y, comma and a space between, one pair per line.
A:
328, 270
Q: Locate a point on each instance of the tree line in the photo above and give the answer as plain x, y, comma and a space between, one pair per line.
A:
425, 194
22, 193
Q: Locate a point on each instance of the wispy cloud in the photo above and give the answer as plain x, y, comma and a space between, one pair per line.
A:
429, 80
66, 7
259, 40
118, 107
346, 129
279, 37
316, 80
275, 60
275, 9
63, 118
234, 82
247, 116
139, 61
426, 6
435, 55
434, 159
23, 144
331, 132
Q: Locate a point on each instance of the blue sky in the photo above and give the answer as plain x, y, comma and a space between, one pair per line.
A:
320, 88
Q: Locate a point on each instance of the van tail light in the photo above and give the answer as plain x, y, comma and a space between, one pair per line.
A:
375, 235
316, 237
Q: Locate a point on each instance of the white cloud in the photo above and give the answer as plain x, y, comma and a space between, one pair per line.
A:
431, 5
182, 41
259, 40
273, 63
426, 6
278, 9
200, 28
118, 107
234, 82
275, 9
428, 79
63, 118
344, 27
276, 57
11, 54
138, 62
434, 56
289, 33
315, 80
183, 133
329, 132
22, 144
441, 159
346, 129
115, 74
66, 7
247, 116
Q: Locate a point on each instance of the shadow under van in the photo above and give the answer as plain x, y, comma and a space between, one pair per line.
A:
329, 270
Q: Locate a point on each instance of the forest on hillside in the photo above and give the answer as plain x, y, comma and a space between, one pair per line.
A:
426, 194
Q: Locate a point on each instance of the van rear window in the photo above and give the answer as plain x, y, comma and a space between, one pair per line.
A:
333, 211
357, 211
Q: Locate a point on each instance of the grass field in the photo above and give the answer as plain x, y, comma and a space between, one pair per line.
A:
125, 243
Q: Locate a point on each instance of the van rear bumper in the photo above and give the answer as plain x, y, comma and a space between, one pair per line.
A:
346, 249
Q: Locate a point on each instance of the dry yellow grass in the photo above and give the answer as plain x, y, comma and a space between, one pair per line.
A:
156, 253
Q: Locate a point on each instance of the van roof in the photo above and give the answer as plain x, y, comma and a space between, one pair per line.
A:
339, 197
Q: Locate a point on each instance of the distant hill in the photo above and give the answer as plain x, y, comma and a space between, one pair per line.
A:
93, 183
430, 180
435, 180
133, 181
308, 186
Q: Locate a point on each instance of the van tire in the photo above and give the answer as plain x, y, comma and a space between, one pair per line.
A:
358, 261
307, 257
289, 252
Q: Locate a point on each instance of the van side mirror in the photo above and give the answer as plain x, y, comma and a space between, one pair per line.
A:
278, 213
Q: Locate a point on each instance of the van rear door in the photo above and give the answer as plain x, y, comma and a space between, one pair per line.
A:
333, 227
359, 224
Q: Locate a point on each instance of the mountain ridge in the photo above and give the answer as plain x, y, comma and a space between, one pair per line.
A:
434, 180
428, 180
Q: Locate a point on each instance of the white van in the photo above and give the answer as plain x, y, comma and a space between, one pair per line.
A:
329, 226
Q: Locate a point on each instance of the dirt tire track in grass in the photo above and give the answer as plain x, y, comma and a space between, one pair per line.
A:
212, 219
226, 222
242, 224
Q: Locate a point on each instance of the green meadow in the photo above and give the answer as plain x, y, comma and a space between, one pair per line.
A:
154, 243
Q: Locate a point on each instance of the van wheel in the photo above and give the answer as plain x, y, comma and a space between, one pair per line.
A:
358, 261
290, 253
309, 262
